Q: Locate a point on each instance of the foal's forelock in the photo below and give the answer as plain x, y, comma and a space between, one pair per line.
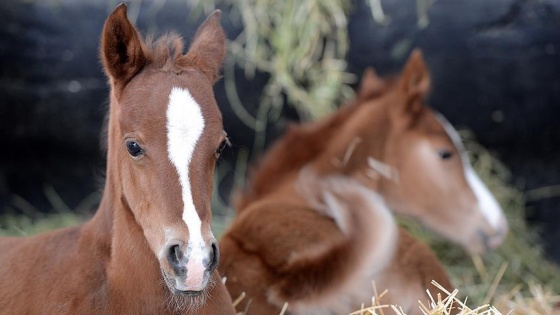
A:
490, 208
165, 52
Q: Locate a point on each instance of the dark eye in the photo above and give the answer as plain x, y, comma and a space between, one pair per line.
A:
445, 154
224, 144
134, 148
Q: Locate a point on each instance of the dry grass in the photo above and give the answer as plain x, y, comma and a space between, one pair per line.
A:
539, 303
439, 305
21, 218
301, 45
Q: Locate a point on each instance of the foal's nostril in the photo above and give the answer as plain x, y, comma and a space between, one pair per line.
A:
214, 257
174, 257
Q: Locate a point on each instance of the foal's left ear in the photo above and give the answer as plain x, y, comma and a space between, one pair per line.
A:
121, 48
208, 48
370, 85
415, 79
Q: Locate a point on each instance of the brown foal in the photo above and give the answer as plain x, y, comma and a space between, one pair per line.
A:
149, 248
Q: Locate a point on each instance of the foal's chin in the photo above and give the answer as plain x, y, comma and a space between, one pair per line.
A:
176, 286
182, 298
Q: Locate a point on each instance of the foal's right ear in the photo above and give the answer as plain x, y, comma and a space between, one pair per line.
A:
121, 49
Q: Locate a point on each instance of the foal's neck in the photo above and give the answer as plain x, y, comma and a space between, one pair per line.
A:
128, 263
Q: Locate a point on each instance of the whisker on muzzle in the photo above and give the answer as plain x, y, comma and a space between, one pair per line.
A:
178, 303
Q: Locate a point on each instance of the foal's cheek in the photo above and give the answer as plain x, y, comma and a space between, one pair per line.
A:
136, 188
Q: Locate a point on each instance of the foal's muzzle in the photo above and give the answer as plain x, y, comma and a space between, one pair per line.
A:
192, 265
496, 238
486, 239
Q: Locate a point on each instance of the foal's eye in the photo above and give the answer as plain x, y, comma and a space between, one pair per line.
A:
134, 148
224, 144
445, 154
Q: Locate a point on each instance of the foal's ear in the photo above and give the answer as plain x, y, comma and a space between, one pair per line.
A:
415, 79
371, 84
208, 48
121, 49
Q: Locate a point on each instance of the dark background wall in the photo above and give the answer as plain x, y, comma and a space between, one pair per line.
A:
495, 67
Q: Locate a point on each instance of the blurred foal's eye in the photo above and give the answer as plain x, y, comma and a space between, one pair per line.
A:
224, 144
134, 148
445, 154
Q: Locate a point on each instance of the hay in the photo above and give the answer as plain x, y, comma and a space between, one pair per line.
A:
21, 225
302, 46
540, 303
21, 218
436, 306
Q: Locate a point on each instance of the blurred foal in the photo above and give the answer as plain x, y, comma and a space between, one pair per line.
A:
315, 227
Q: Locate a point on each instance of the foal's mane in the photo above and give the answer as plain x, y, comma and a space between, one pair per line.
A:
300, 144
291, 152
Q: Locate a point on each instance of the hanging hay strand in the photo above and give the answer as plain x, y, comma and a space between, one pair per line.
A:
302, 45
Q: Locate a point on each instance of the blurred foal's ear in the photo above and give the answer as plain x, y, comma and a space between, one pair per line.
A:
415, 79
208, 48
370, 85
121, 49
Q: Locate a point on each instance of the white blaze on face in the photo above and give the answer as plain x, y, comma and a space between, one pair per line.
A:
185, 124
487, 203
